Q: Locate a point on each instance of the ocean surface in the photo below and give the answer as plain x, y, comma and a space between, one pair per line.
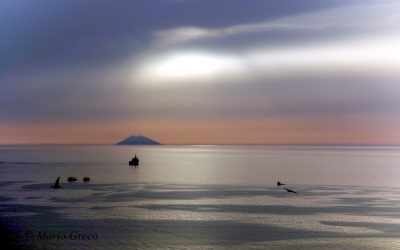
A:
201, 197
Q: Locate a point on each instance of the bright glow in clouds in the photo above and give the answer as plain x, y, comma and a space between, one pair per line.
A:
188, 67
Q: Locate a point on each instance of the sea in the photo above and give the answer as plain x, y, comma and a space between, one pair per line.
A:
200, 197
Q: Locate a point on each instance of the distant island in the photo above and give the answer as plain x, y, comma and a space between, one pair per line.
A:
138, 140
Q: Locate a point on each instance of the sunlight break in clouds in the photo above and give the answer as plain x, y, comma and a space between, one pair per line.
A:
360, 44
186, 67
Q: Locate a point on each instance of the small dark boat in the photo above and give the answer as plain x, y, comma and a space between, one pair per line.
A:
86, 179
72, 179
57, 183
280, 184
134, 161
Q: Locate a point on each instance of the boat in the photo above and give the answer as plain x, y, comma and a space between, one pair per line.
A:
134, 161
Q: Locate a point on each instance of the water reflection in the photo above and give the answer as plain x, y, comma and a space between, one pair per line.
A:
204, 197
159, 215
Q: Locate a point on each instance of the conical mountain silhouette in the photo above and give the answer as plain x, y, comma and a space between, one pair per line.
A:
138, 140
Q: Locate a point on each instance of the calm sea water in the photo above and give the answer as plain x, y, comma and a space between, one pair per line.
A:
205, 197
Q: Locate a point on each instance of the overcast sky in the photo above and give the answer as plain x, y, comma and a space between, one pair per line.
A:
200, 71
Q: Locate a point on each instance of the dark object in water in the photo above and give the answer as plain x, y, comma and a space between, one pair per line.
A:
280, 184
86, 179
57, 183
72, 179
290, 190
134, 161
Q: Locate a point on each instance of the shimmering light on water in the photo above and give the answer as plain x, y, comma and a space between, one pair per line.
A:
206, 197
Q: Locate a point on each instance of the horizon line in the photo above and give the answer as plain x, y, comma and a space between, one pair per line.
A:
202, 144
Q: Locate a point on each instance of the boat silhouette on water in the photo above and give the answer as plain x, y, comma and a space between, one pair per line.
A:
134, 161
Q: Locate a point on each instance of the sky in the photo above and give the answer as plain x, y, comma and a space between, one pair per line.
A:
200, 71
